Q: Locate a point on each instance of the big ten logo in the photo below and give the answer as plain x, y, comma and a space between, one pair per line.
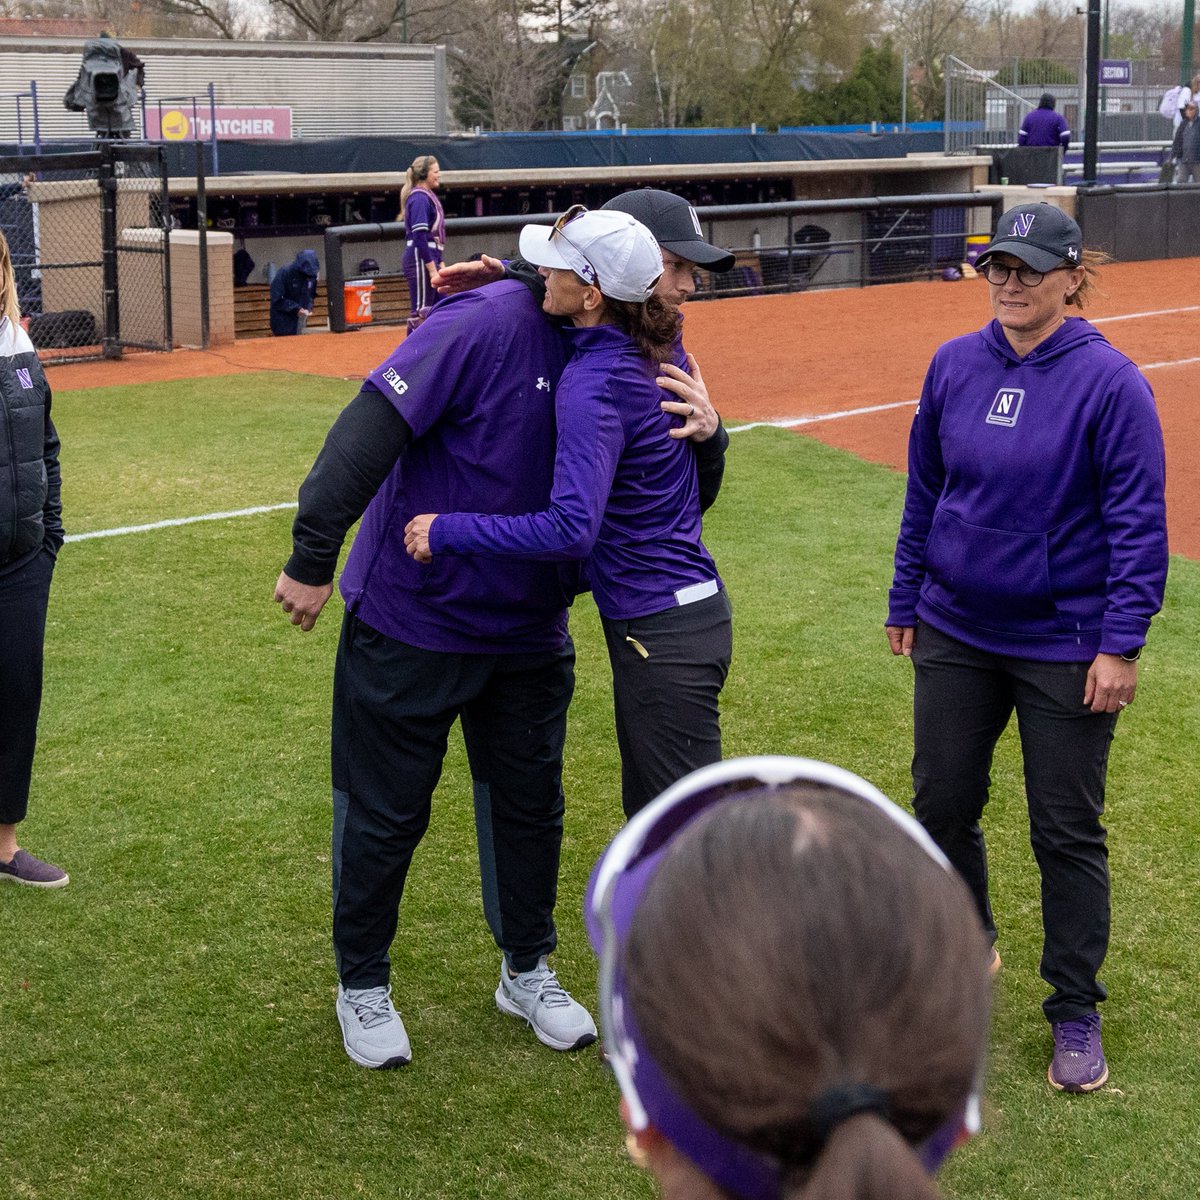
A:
1006, 407
175, 126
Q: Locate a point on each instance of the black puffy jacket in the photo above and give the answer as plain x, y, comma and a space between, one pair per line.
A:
30, 480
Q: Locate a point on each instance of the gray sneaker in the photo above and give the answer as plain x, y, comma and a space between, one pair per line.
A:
538, 998
32, 872
372, 1032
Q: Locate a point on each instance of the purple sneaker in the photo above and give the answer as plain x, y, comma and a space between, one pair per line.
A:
32, 872
1078, 1064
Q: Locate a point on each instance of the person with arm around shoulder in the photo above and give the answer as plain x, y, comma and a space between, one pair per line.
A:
1031, 557
847, 1067
625, 499
31, 534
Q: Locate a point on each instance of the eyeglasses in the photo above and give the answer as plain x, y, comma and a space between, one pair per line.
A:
998, 273
614, 892
589, 275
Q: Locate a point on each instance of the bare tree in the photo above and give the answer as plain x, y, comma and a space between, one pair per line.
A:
929, 30
232, 19
504, 77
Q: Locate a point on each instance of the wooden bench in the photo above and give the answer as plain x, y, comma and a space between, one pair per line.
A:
252, 306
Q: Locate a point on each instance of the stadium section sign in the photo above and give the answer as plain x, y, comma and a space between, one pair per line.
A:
180, 124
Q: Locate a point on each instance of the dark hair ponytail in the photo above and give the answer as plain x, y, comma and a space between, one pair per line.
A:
864, 1158
653, 325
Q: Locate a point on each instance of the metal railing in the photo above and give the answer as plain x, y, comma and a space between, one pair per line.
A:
778, 247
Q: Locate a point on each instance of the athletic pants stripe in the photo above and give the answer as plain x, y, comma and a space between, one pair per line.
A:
393, 707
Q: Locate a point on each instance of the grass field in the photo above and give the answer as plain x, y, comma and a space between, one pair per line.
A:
166, 1022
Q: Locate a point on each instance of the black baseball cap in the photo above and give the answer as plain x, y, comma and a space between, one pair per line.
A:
1040, 235
675, 226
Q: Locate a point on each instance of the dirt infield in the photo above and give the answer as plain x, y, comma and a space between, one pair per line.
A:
810, 355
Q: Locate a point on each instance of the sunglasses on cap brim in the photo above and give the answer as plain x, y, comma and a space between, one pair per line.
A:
618, 882
589, 275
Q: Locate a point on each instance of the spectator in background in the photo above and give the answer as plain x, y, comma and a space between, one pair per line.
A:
293, 291
1044, 127
1187, 93
9, 190
31, 533
424, 231
775, 1029
1185, 149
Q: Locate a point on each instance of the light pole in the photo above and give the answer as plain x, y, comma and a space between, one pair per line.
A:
1185, 44
1091, 120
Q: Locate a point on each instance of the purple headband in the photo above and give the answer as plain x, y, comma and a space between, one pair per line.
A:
617, 884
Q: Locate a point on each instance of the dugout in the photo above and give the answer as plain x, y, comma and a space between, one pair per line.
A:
274, 216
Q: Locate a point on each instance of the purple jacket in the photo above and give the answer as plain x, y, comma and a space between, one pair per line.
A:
1044, 127
1035, 522
476, 384
625, 493
424, 226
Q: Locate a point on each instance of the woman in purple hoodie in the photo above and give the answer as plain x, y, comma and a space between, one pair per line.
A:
1032, 555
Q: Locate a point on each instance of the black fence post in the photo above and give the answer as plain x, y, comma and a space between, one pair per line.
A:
202, 228
164, 202
108, 255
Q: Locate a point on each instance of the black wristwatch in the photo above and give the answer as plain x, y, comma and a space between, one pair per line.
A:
1133, 656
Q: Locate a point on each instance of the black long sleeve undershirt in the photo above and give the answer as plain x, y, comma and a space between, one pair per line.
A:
361, 449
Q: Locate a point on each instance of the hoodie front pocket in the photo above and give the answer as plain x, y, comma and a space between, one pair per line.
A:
995, 578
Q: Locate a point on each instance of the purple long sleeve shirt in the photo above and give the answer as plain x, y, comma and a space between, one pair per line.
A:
624, 496
475, 384
1035, 520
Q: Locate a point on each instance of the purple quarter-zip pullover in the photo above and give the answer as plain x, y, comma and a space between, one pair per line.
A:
625, 493
1034, 523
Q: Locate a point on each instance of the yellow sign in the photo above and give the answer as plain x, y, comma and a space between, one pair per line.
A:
174, 126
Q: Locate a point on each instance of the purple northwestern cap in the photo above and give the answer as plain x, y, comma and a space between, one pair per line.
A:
1038, 234
615, 889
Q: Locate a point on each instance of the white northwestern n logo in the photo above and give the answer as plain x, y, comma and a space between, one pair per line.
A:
1022, 224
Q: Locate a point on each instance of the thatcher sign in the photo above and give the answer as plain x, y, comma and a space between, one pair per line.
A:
181, 124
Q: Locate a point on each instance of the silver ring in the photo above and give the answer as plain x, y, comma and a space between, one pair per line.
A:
1122, 703
691, 410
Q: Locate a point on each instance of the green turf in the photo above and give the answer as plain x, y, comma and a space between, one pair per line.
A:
166, 1022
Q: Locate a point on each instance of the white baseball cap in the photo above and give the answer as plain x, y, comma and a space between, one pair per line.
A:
611, 250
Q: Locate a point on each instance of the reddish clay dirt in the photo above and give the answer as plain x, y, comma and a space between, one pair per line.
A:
775, 357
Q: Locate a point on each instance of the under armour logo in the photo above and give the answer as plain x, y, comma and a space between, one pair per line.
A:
542, 382
1023, 223
24, 377
1072, 253
1006, 407
392, 378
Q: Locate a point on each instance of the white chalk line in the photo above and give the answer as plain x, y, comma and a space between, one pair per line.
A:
1157, 312
217, 516
793, 422
780, 423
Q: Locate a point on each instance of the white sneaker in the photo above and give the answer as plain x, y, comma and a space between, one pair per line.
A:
372, 1032
537, 997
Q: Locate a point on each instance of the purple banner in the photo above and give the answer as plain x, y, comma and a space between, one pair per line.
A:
1115, 72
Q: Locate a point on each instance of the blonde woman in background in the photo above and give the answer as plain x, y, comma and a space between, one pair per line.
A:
424, 230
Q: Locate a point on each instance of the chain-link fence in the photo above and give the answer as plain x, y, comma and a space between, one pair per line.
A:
987, 99
88, 238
